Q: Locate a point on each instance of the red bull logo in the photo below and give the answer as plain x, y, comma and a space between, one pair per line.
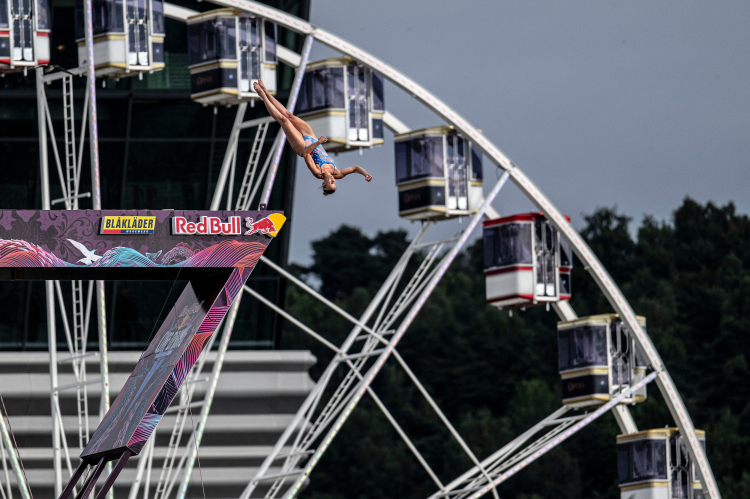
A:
269, 226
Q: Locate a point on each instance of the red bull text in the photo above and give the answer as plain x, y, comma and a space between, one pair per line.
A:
207, 226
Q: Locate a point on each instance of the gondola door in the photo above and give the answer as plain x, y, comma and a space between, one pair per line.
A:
249, 53
359, 98
545, 249
22, 26
457, 195
136, 17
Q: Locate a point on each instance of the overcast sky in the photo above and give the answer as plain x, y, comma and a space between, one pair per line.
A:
636, 104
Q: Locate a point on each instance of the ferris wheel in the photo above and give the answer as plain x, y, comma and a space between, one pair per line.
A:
605, 361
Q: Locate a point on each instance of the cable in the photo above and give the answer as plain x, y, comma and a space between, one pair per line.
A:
148, 342
197, 454
16, 446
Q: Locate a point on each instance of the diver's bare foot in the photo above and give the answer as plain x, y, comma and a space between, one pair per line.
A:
260, 82
258, 89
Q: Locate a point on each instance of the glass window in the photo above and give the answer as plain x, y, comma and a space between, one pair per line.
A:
43, 14
378, 101
107, 17
157, 7
587, 346
158, 52
318, 95
436, 145
4, 46
643, 460
515, 244
269, 39
226, 32
623, 463
4, 16
337, 97
508, 244
565, 285
648, 460
202, 42
377, 128
402, 160
566, 255
563, 347
476, 164
303, 99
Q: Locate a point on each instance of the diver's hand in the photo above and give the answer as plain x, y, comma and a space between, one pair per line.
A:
322, 139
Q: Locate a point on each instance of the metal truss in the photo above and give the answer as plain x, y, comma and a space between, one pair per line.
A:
77, 326
517, 454
361, 355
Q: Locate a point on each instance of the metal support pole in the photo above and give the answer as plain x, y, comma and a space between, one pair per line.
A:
52, 343
20, 478
228, 157
373, 371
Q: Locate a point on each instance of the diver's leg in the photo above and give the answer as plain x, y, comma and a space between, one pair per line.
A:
292, 134
298, 123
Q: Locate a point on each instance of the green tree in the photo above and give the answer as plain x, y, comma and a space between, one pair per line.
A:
496, 375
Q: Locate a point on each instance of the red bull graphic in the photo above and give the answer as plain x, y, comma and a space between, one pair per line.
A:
207, 226
269, 226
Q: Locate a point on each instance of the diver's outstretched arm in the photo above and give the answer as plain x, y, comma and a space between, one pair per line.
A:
354, 169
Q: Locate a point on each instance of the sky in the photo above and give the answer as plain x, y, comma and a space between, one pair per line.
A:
636, 104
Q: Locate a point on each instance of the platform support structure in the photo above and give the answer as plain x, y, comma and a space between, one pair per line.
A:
69, 167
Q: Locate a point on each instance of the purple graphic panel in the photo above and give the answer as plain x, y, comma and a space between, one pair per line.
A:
166, 363
139, 245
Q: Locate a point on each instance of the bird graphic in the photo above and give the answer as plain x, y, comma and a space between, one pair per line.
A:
89, 257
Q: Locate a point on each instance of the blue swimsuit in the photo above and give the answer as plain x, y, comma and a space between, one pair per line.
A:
319, 155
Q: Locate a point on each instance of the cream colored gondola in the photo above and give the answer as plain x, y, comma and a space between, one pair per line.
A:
128, 37
438, 174
655, 464
228, 51
598, 359
343, 100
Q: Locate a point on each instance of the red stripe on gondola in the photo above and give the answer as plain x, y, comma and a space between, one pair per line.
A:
508, 269
508, 297
521, 217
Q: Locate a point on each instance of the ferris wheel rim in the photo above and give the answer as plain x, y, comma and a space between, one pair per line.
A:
605, 282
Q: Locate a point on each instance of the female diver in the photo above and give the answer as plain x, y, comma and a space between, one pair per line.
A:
303, 141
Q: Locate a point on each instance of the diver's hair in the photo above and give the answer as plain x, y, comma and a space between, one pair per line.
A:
328, 192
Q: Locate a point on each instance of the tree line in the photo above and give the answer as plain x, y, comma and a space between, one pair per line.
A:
495, 375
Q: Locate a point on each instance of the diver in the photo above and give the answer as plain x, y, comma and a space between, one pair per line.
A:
305, 144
